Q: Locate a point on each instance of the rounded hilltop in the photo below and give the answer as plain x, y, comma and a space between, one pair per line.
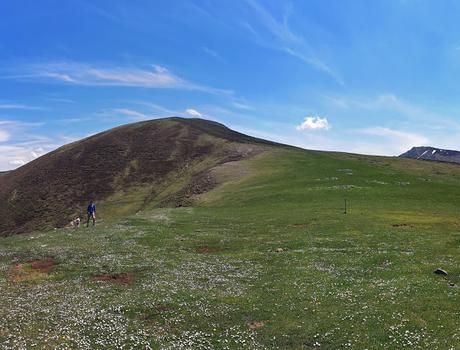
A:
136, 160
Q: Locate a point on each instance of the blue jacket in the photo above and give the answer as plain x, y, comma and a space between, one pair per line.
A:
91, 208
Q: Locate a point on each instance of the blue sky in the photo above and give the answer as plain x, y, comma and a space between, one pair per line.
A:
374, 77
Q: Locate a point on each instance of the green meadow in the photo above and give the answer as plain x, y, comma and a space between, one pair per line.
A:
267, 260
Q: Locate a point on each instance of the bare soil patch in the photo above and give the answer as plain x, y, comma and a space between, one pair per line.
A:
45, 265
208, 250
32, 271
116, 278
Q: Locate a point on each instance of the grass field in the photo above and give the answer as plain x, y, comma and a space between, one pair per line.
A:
268, 260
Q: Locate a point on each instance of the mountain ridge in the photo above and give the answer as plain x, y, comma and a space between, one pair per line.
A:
432, 154
139, 161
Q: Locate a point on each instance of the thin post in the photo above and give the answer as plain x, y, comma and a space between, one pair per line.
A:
345, 211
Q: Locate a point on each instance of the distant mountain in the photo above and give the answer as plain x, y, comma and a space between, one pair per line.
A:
431, 153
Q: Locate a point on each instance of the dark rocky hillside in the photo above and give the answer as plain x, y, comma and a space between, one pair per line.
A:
431, 153
139, 160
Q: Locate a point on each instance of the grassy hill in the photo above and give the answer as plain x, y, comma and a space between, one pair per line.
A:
265, 259
129, 166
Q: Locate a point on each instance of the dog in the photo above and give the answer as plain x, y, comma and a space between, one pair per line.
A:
75, 223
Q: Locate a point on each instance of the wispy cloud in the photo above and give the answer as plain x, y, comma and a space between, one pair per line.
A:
152, 111
15, 155
92, 8
124, 115
372, 141
279, 36
17, 147
16, 124
155, 107
61, 100
9, 105
242, 105
131, 113
155, 110
4, 135
137, 111
389, 102
279, 29
155, 77
397, 141
72, 120
213, 53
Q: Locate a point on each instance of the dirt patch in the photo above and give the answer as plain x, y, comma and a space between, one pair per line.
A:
17, 273
118, 278
45, 265
256, 325
32, 271
208, 250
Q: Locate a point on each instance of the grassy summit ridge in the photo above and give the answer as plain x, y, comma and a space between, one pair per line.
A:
265, 260
129, 166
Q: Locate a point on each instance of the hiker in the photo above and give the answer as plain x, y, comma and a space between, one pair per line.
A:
91, 213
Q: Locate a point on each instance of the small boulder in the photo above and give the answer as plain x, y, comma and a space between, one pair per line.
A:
440, 272
279, 250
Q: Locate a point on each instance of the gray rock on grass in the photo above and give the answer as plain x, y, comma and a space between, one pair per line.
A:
440, 272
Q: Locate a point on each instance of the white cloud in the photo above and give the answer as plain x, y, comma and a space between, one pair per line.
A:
4, 135
18, 146
37, 152
18, 154
194, 113
157, 77
314, 123
17, 162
